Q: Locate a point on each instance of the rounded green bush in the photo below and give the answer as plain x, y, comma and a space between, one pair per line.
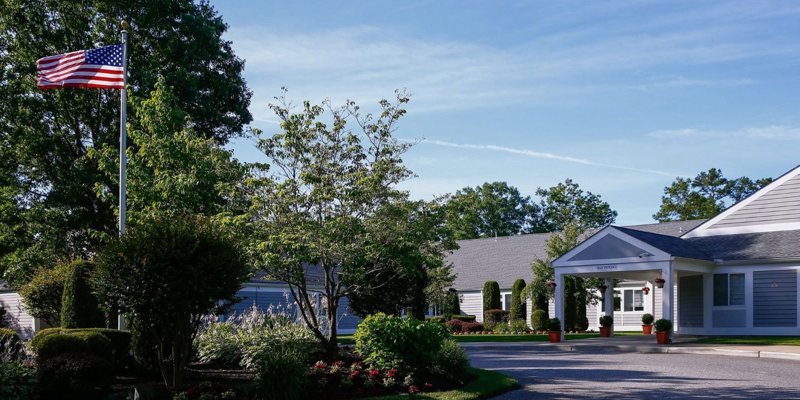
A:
78, 342
407, 344
75, 376
539, 320
40, 335
79, 306
464, 318
647, 319
554, 324
606, 321
451, 361
491, 297
663, 325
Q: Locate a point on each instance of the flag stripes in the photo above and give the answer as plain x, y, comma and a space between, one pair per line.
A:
95, 68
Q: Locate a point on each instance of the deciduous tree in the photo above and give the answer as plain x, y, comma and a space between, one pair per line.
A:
492, 209
566, 203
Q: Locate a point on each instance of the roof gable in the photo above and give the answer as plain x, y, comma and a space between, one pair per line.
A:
608, 247
775, 207
633, 249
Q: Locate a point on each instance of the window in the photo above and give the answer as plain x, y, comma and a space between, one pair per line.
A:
507, 302
628, 300
728, 290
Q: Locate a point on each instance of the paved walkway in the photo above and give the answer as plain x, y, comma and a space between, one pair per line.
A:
647, 344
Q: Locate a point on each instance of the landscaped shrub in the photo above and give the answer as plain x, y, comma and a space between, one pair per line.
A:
79, 306
518, 326
452, 303
495, 316
40, 335
606, 321
465, 318
17, 382
472, 327
11, 347
437, 318
491, 297
583, 324
93, 343
403, 343
647, 319
553, 324
454, 325
120, 344
42, 295
281, 373
75, 376
539, 320
663, 325
518, 309
450, 361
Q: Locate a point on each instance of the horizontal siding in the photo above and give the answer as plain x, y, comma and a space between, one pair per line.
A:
658, 294
472, 304
728, 318
778, 205
21, 321
348, 321
690, 301
775, 298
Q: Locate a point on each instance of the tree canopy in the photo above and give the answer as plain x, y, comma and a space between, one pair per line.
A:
566, 203
52, 202
705, 195
491, 209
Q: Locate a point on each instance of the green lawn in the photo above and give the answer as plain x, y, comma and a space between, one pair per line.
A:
753, 340
487, 384
348, 339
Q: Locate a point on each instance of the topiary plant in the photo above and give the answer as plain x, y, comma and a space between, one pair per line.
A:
606, 321
647, 319
663, 325
79, 306
491, 297
553, 324
518, 309
539, 320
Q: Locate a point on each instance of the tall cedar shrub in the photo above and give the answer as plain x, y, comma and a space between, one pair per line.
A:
491, 297
539, 319
79, 306
518, 309
169, 271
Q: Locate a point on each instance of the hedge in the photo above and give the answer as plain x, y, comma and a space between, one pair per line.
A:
79, 306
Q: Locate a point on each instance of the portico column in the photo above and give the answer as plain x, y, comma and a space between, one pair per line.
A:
608, 307
667, 294
558, 296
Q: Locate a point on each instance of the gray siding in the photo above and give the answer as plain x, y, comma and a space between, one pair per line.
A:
347, 320
21, 321
608, 247
472, 304
775, 298
779, 205
658, 294
690, 299
729, 318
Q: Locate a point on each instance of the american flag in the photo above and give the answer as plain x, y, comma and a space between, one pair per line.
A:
95, 68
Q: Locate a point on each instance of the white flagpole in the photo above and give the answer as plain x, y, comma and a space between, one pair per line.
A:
123, 159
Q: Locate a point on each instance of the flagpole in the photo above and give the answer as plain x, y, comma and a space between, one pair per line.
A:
123, 158
123, 116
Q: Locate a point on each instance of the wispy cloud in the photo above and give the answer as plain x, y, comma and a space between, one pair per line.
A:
545, 155
772, 132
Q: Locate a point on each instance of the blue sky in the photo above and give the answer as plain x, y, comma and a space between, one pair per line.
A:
620, 96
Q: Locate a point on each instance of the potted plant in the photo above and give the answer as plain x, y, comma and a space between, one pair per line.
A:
606, 323
554, 330
663, 329
660, 282
647, 324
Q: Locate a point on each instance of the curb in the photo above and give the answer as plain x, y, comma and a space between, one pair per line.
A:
637, 349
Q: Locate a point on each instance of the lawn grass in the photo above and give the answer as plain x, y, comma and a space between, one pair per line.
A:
753, 340
348, 339
487, 384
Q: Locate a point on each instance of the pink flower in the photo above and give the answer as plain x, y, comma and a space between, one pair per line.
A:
354, 375
338, 364
413, 389
374, 373
320, 365
392, 373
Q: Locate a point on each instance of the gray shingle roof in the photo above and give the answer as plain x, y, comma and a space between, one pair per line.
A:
670, 244
751, 246
506, 259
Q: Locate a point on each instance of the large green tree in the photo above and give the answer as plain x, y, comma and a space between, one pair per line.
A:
332, 170
492, 209
566, 203
51, 202
705, 195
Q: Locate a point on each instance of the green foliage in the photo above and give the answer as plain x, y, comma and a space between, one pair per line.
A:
492, 209
120, 343
704, 196
39, 337
606, 321
647, 319
465, 318
663, 325
491, 297
42, 294
539, 320
56, 201
392, 342
518, 326
58, 344
518, 309
567, 204
17, 382
495, 316
146, 273
75, 376
281, 374
11, 347
553, 324
331, 201
452, 303
79, 306
5, 319
451, 361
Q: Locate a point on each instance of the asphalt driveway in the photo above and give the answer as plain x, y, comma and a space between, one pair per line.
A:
553, 374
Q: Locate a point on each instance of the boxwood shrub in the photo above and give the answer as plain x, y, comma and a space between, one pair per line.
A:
407, 344
539, 320
78, 342
554, 324
120, 342
461, 317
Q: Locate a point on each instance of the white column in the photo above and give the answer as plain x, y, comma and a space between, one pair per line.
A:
609, 297
668, 294
559, 300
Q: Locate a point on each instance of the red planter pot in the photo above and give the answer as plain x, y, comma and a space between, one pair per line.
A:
555, 336
647, 329
662, 337
605, 331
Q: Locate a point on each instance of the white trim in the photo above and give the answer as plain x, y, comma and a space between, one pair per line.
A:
782, 226
656, 253
704, 228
